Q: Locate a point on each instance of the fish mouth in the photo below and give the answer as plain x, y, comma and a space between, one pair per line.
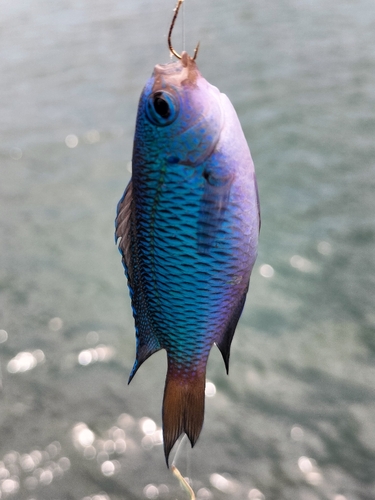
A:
184, 71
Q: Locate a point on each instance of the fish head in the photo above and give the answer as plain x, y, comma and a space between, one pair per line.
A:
180, 114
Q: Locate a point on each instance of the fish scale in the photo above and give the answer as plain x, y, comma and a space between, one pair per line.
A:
186, 266
188, 227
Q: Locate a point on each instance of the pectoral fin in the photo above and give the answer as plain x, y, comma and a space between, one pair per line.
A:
214, 204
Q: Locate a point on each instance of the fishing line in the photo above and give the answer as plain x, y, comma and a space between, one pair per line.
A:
183, 28
172, 50
179, 448
183, 482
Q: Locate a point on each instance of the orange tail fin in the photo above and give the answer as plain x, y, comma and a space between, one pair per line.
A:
183, 408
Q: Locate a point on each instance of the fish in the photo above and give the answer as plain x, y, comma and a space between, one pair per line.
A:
187, 228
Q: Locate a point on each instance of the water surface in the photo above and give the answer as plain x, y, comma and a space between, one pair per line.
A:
296, 417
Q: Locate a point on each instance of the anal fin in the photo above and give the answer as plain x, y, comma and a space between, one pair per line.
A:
225, 341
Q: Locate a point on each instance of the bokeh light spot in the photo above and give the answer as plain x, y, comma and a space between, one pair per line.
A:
36, 455
3, 336
163, 489
314, 477
305, 464
148, 426
107, 468
27, 463
4, 473
255, 494
151, 491
92, 136
15, 153
204, 494
221, 483
147, 442
109, 446
210, 390
120, 446
125, 421
25, 361
296, 433
31, 483
266, 271
46, 477
55, 324
10, 486
324, 248
82, 436
84, 357
53, 449
71, 141
64, 463
157, 437
301, 263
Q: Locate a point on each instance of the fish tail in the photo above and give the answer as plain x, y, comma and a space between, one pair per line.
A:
183, 407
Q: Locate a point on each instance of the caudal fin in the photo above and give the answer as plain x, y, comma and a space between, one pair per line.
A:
183, 408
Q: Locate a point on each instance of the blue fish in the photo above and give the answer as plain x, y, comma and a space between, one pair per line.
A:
187, 227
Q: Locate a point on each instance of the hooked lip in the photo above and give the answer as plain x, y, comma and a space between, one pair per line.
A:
182, 72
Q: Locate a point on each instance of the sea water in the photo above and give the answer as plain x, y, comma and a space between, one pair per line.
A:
296, 417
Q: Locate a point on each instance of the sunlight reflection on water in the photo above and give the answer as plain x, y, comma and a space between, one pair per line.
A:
33, 469
25, 361
97, 354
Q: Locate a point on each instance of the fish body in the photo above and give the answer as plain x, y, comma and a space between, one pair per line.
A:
188, 226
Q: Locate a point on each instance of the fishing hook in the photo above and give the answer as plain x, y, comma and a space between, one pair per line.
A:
170, 34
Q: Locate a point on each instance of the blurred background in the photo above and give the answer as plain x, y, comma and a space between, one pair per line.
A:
296, 417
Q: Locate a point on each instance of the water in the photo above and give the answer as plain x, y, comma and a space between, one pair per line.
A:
295, 419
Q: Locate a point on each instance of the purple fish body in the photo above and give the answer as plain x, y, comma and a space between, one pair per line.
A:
188, 226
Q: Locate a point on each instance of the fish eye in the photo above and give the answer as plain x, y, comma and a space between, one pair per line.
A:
162, 108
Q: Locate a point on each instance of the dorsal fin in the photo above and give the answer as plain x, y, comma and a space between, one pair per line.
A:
146, 341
